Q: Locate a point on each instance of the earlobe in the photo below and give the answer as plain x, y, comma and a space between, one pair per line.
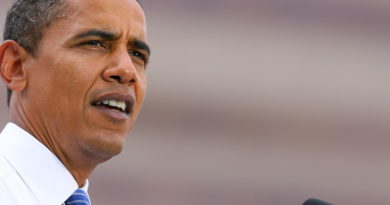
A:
12, 71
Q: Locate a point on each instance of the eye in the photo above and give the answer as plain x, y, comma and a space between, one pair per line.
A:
95, 43
138, 55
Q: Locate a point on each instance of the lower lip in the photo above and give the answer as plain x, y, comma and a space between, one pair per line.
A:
113, 114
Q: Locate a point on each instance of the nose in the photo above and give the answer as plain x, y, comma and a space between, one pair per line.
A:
121, 69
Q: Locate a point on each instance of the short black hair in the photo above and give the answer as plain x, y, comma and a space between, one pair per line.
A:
26, 22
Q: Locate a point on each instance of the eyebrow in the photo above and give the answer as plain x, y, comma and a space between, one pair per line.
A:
98, 33
141, 45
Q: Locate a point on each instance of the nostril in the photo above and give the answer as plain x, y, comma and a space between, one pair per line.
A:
119, 79
116, 77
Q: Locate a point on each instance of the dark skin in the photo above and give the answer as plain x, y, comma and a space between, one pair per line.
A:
97, 54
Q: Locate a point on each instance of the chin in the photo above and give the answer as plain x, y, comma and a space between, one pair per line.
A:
105, 147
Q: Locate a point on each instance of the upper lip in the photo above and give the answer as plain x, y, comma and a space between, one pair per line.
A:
125, 97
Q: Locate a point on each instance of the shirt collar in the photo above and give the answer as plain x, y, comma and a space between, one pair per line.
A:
40, 169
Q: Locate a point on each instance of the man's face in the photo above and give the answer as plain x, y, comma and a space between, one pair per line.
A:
87, 82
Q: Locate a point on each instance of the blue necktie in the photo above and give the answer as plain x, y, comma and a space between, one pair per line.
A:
79, 197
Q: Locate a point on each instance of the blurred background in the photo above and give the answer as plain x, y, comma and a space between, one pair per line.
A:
257, 102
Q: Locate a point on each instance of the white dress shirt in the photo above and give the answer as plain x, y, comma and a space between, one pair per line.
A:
30, 174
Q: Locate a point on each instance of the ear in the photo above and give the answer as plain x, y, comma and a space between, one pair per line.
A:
12, 71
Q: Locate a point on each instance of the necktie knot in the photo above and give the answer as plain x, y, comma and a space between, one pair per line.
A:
79, 197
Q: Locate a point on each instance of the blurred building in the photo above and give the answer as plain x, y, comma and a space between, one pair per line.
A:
258, 102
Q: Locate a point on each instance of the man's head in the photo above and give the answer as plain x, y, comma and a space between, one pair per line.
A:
76, 69
27, 21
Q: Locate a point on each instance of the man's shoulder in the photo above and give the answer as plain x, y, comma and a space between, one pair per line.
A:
6, 176
12, 188
5, 168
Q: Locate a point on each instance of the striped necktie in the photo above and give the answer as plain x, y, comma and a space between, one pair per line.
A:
79, 197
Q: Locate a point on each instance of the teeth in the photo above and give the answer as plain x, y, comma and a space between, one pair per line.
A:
114, 103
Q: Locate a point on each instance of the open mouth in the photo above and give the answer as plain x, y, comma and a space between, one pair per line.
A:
113, 104
117, 102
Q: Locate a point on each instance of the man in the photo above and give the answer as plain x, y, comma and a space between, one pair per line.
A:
75, 71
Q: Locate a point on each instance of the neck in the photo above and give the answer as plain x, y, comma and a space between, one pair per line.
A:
80, 163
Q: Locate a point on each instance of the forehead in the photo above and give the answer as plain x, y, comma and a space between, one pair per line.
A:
124, 17
119, 6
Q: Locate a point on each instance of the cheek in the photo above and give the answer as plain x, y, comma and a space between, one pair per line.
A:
64, 82
76, 75
140, 89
